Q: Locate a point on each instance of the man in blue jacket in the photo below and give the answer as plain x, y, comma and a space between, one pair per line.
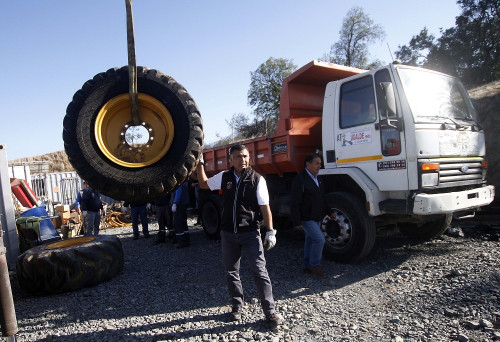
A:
308, 211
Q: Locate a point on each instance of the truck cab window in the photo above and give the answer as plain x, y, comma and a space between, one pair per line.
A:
357, 103
389, 136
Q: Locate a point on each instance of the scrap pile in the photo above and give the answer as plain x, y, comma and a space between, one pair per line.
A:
116, 217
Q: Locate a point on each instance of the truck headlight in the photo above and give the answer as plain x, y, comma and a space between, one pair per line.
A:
430, 179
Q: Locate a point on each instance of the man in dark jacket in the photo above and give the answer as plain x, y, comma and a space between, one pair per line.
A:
308, 211
245, 197
91, 206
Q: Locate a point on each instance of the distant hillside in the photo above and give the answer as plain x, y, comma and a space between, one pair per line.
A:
58, 161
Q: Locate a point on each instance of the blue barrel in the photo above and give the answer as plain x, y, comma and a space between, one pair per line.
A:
36, 211
47, 229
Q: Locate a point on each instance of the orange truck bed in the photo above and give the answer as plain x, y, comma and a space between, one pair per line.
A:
298, 131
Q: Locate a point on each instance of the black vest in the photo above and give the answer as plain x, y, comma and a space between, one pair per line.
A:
241, 213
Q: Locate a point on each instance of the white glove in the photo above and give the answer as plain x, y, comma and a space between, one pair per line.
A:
270, 239
174, 207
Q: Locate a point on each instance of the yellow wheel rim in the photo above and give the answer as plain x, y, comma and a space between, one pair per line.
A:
134, 146
70, 242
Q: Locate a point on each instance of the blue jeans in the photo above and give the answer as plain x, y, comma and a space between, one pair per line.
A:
92, 221
313, 247
141, 212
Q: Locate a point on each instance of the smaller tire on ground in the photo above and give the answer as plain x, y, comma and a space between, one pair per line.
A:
69, 264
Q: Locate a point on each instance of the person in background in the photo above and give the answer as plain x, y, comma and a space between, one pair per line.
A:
164, 217
194, 184
245, 197
91, 206
179, 208
76, 206
138, 210
307, 212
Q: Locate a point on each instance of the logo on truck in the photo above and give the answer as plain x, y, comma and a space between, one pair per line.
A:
355, 138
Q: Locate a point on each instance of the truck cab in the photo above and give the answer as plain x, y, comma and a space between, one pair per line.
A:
409, 141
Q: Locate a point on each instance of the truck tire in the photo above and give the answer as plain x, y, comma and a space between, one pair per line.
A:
211, 216
427, 230
350, 234
69, 264
127, 162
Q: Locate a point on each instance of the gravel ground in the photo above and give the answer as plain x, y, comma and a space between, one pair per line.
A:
405, 290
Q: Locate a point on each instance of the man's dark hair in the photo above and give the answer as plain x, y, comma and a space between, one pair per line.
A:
237, 147
310, 157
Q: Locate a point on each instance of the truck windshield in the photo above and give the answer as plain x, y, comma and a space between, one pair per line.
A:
432, 96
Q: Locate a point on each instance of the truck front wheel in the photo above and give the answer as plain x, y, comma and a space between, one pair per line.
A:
427, 230
349, 230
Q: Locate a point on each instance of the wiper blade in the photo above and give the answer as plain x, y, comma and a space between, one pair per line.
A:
479, 127
443, 126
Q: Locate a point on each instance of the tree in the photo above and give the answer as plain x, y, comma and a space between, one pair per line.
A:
470, 50
265, 90
237, 123
356, 33
473, 45
416, 52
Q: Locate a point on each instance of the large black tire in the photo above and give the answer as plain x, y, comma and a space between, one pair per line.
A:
95, 135
350, 234
211, 216
428, 230
69, 264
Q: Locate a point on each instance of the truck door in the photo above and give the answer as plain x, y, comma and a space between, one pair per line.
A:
370, 135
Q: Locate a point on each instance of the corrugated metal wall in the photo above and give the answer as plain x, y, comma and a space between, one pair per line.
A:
56, 188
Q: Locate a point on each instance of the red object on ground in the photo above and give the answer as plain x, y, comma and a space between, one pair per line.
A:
23, 192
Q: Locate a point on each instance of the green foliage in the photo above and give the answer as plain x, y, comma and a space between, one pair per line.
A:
416, 52
470, 50
265, 90
357, 32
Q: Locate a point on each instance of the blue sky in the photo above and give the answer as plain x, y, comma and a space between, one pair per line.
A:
50, 48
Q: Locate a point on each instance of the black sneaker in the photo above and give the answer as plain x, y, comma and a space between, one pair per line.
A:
273, 320
136, 237
235, 314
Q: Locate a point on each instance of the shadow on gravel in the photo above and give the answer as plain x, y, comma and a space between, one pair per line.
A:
168, 283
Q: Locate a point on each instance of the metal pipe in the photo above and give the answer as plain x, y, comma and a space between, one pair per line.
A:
7, 313
132, 66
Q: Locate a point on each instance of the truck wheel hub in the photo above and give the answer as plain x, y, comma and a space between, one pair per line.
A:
337, 230
131, 145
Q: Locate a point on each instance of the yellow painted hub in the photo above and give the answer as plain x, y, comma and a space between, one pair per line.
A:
70, 242
134, 146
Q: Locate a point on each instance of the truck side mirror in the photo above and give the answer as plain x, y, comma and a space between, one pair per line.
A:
387, 105
389, 99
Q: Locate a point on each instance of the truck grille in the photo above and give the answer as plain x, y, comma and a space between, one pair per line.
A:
458, 171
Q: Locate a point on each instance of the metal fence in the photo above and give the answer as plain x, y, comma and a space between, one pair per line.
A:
56, 188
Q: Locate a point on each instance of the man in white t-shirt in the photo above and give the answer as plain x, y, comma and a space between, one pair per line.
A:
245, 199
